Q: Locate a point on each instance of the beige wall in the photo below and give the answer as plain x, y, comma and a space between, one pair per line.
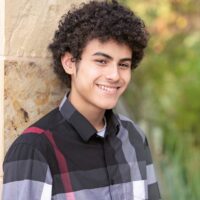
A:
31, 88
2, 28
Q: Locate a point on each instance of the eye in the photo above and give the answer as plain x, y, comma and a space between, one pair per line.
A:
125, 65
101, 61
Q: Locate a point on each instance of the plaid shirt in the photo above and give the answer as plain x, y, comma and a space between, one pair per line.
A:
61, 157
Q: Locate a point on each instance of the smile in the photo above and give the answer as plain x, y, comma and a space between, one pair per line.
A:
108, 89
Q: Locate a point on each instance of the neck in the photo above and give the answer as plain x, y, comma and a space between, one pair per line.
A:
97, 120
94, 115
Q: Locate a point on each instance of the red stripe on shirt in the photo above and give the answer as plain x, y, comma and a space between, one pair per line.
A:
60, 158
33, 130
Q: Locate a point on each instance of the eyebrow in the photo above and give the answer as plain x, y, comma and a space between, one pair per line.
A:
110, 58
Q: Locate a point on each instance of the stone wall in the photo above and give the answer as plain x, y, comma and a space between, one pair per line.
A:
2, 28
31, 89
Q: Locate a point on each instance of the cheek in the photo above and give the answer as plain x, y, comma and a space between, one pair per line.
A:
93, 74
88, 70
127, 78
87, 76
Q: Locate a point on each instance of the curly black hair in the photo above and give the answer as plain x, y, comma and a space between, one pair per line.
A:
101, 20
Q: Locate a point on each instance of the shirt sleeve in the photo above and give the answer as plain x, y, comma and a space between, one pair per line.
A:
152, 184
26, 174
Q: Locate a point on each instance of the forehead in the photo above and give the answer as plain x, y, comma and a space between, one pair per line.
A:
110, 47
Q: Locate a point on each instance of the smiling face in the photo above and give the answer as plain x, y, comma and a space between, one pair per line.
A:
100, 77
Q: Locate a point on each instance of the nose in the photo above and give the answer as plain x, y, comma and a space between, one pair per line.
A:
113, 73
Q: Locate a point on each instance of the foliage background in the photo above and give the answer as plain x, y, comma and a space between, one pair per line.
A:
164, 95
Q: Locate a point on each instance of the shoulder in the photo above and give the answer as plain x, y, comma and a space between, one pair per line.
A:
36, 133
33, 141
27, 146
50, 120
131, 127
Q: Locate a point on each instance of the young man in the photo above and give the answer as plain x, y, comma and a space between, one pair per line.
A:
82, 150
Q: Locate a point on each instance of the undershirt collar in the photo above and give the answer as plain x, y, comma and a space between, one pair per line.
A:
101, 132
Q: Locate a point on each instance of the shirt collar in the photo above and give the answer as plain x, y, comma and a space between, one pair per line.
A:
81, 124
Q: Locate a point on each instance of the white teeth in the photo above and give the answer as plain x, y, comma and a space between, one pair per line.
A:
108, 89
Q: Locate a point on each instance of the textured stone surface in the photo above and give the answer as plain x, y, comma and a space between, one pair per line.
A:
32, 89
2, 28
30, 25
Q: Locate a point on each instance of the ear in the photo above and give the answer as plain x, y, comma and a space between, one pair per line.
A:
68, 64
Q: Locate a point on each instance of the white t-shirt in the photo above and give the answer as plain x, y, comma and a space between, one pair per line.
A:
101, 133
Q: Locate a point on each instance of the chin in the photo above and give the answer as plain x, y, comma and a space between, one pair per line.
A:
109, 106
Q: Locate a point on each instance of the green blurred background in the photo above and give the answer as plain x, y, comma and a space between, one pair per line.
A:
164, 95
